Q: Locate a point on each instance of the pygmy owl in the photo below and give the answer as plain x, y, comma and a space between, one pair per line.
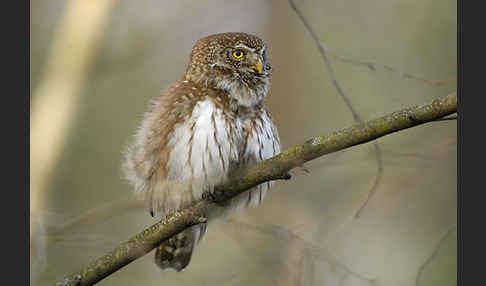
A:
204, 126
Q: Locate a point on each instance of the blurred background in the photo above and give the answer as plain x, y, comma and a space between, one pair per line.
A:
95, 64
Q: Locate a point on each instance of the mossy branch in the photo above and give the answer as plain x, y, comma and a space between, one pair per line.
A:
275, 168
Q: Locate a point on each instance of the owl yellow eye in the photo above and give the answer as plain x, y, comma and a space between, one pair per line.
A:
238, 54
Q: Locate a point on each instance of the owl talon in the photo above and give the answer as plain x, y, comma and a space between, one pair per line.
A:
213, 197
208, 196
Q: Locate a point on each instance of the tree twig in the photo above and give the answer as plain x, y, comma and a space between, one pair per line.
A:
103, 211
293, 241
432, 255
367, 64
274, 168
323, 51
373, 66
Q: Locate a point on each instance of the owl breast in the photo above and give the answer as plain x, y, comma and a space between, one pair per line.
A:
209, 144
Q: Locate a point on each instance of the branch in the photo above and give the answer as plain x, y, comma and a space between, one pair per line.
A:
307, 249
373, 67
275, 168
367, 64
323, 51
105, 211
433, 255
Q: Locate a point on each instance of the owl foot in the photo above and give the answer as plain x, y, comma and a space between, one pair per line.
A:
175, 253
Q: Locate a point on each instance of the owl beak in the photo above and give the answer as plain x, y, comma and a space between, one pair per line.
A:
259, 66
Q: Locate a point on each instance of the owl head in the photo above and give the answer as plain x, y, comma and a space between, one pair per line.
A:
234, 62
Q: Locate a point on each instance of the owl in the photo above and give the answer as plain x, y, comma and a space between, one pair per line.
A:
206, 125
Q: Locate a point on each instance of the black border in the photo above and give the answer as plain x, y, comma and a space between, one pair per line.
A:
15, 140
471, 186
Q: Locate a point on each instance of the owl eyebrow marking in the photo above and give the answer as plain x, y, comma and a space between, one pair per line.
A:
244, 46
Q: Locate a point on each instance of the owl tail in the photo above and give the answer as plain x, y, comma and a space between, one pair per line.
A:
176, 252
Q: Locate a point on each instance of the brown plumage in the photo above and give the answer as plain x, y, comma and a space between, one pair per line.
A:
204, 126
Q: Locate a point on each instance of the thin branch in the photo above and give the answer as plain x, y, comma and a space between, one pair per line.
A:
103, 211
367, 64
275, 168
379, 173
323, 51
308, 249
433, 255
373, 66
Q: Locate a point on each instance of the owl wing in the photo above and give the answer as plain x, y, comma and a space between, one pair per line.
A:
261, 138
261, 142
146, 158
184, 147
